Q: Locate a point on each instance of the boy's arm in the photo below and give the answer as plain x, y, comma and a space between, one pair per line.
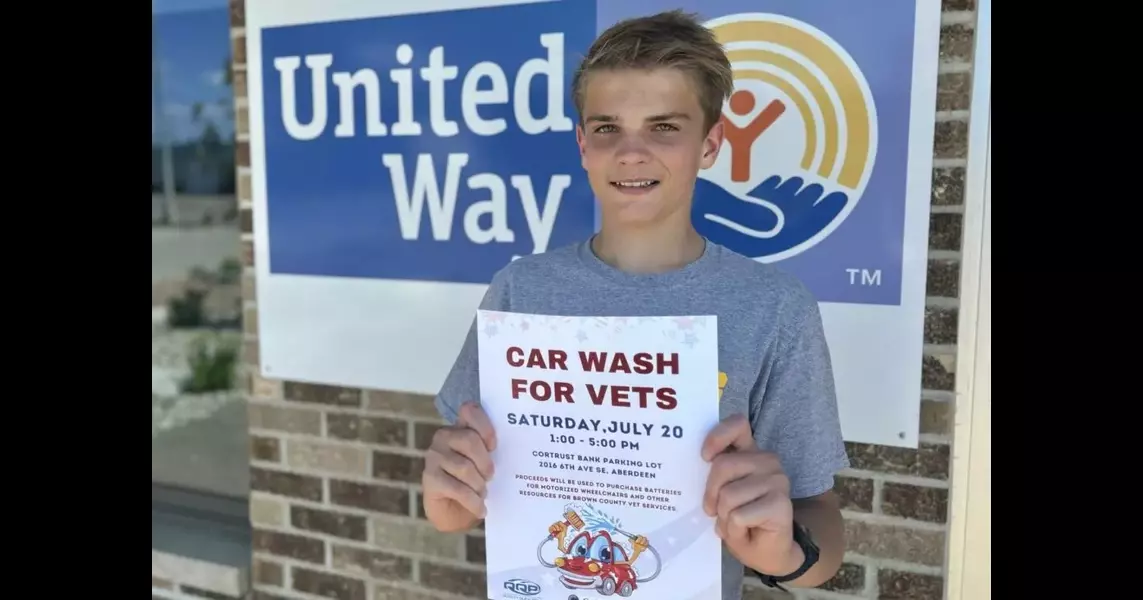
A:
458, 462
795, 416
463, 381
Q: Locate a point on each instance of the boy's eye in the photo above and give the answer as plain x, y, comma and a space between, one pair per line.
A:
657, 127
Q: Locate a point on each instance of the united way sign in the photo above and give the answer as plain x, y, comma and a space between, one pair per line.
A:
400, 156
419, 148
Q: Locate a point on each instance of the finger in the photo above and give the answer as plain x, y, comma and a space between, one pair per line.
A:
472, 416
737, 493
731, 433
769, 489
771, 512
468, 443
727, 468
744, 491
725, 533
442, 486
462, 469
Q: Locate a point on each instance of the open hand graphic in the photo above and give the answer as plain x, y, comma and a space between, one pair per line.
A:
774, 216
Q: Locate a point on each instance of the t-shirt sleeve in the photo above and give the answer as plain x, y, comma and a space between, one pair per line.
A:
797, 415
463, 381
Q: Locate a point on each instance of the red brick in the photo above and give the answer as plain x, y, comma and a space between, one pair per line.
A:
856, 493
376, 498
327, 585
337, 524
313, 393
929, 460
452, 579
289, 545
898, 585
915, 502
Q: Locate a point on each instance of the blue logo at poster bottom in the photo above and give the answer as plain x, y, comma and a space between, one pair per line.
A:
429, 147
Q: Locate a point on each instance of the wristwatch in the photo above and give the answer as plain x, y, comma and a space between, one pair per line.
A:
803, 539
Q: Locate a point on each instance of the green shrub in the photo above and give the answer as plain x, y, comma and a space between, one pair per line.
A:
187, 310
211, 366
229, 271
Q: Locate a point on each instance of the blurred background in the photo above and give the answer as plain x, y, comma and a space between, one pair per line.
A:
199, 440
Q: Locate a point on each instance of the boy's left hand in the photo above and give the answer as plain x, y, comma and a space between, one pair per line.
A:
749, 495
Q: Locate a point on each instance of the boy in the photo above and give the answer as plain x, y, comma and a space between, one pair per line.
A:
649, 96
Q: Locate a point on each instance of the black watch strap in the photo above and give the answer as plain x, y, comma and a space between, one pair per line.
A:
809, 549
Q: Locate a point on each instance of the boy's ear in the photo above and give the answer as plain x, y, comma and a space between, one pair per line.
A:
712, 144
581, 141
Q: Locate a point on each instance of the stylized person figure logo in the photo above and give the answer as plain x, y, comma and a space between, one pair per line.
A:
740, 140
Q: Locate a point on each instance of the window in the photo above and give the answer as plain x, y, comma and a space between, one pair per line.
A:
198, 417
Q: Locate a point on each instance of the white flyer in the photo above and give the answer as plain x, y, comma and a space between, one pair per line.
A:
599, 475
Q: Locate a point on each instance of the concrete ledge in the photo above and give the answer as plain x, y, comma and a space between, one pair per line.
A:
180, 577
200, 545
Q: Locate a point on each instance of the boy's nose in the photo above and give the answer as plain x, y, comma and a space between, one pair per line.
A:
632, 151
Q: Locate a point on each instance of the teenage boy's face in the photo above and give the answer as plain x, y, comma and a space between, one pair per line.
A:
642, 143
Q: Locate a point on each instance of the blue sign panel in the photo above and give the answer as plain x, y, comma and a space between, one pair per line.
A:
430, 147
438, 146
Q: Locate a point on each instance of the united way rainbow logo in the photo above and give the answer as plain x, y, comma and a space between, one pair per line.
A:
801, 139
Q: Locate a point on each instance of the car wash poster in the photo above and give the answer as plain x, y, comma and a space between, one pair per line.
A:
600, 479
401, 154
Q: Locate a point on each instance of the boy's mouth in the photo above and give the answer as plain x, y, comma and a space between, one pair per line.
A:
635, 186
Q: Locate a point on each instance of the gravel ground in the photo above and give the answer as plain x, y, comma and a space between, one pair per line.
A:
169, 366
171, 412
197, 441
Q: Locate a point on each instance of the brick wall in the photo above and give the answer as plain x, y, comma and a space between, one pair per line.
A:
334, 471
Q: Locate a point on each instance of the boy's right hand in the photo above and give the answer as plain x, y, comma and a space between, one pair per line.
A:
458, 466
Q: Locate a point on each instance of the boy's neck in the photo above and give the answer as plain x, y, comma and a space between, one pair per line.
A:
648, 250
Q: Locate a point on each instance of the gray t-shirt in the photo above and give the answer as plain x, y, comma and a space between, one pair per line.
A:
771, 346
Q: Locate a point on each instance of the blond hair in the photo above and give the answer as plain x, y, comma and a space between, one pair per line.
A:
671, 39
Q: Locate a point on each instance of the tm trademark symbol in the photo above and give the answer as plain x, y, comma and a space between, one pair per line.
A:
866, 277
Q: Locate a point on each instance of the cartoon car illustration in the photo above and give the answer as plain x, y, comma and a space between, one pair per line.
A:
594, 560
